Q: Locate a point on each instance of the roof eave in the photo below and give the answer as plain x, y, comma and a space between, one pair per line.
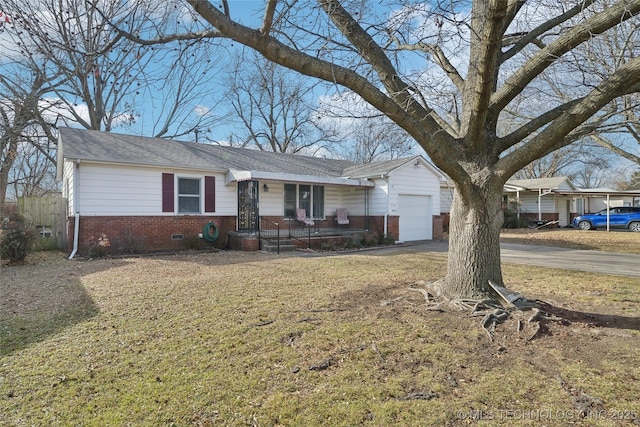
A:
247, 175
83, 160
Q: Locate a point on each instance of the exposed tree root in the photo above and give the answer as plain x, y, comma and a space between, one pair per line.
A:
391, 301
492, 311
431, 304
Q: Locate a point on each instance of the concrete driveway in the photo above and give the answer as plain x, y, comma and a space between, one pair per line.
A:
614, 263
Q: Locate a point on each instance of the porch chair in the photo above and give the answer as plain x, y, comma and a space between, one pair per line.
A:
301, 215
341, 217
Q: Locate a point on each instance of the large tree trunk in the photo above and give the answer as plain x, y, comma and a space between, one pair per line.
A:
10, 153
474, 241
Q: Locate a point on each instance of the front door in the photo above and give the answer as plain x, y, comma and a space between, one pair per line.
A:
248, 217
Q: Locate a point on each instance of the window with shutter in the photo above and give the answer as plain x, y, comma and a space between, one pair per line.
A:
167, 192
209, 193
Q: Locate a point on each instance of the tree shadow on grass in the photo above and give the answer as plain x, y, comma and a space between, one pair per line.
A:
37, 301
613, 321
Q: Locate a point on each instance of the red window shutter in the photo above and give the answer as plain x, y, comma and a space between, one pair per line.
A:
167, 193
209, 193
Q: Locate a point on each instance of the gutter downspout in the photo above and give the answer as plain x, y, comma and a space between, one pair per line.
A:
386, 214
76, 223
76, 229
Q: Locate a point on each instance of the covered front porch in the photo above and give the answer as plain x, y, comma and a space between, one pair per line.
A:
288, 234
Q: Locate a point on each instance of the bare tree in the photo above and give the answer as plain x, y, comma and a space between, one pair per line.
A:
482, 56
582, 160
85, 73
18, 116
376, 140
104, 80
272, 107
626, 181
366, 140
32, 174
592, 176
617, 126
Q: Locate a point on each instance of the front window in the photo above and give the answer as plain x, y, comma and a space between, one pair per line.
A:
304, 196
188, 196
290, 204
304, 199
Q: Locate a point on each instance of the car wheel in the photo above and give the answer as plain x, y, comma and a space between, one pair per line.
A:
634, 226
584, 225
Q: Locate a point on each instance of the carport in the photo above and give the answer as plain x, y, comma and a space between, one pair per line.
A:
583, 200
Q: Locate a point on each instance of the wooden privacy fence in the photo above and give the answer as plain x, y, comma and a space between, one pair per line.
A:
49, 217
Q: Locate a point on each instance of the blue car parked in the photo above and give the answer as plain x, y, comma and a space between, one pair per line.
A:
622, 217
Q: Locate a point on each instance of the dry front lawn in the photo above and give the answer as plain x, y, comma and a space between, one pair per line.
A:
237, 339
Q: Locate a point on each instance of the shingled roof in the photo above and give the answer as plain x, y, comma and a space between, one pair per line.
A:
91, 145
551, 183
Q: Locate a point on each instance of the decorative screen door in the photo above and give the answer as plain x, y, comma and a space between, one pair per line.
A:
248, 217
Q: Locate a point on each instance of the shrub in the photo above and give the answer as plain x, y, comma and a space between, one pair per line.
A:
17, 237
512, 221
370, 239
194, 242
98, 246
388, 240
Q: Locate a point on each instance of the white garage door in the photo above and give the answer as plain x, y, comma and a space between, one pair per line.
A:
415, 218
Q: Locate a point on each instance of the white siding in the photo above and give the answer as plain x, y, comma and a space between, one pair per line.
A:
379, 198
529, 203
598, 203
68, 184
226, 197
272, 201
564, 208
564, 186
137, 191
352, 200
333, 199
446, 197
134, 191
412, 180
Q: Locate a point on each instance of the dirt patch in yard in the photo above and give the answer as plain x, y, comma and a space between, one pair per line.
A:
236, 338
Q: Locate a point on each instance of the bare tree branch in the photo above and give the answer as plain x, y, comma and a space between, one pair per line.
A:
603, 142
616, 86
520, 41
597, 24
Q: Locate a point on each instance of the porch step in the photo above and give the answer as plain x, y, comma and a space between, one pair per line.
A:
285, 246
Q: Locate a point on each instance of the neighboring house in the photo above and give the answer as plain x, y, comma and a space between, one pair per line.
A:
542, 199
150, 194
446, 199
591, 200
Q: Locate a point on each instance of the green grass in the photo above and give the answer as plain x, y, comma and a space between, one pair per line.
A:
229, 339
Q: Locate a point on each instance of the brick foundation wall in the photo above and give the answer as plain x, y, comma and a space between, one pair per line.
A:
132, 234
446, 218
376, 225
242, 243
438, 227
